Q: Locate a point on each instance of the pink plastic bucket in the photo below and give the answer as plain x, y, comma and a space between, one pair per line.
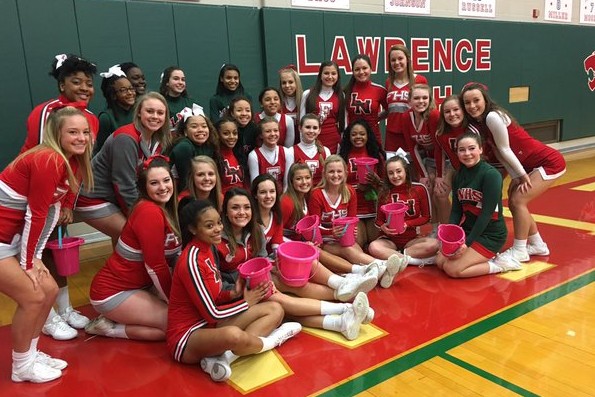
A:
294, 261
395, 215
451, 238
349, 223
307, 227
364, 165
67, 257
256, 271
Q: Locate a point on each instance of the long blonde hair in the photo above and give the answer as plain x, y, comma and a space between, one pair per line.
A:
343, 189
51, 140
299, 90
215, 194
163, 135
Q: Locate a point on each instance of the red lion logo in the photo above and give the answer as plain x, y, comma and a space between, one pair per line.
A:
590, 70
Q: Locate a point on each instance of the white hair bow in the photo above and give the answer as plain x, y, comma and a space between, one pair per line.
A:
60, 58
113, 71
402, 154
196, 110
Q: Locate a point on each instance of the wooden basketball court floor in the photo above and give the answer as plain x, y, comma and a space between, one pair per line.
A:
527, 333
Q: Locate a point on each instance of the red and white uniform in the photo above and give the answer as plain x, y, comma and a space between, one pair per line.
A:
520, 152
195, 297
447, 146
244, 251
327, 109
310, 155
32, 191
365, 208
420, 140
233, 173
417, 199
290, 108
273, 233
289, 220
142, 257
365, 102
39, 115
259, 162
320, 204
286, 127
397, 99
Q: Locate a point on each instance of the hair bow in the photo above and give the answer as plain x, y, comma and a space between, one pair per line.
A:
483, 86
60, 58
196, 110
290, 66
113, 71
147, 162
402, 154
60, 105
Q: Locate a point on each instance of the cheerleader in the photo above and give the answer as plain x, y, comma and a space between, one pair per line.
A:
270, 101
232, 158
203, 182
136, 76
229, 86
132, 290
34, 187
173, 88
310, 151
240, 110
291, 90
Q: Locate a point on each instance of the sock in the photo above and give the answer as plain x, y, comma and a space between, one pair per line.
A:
229, 356
332, 308
267, 344
493, 267
536, 239
21, 360
335, 281
416, 261
118, 331
33, 347
51, 315
520, 245
332, 322
63, 300
358, 269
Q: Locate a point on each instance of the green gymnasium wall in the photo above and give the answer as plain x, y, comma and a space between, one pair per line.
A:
548, 58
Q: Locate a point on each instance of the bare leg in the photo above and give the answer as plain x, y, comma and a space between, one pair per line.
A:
353, 254
382, 248
111, 225
298, 307
334, 263
470, 264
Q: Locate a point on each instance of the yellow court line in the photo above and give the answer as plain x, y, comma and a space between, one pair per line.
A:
551, 220
589, 187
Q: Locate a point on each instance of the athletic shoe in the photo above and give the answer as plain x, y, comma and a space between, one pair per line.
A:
100, 326
369, 316
74, 318
520, 255
284, 332
51, 362
404, 262
538, 249
352, 319
506, 262
393, 265
35, 372
373, 269
58, 329
353, 284
217, 367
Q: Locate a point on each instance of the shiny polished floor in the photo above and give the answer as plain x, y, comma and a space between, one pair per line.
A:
527, 333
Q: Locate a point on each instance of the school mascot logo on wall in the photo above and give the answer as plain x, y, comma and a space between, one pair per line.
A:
590, 70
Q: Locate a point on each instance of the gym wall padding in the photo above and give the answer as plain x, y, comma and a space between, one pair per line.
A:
200, 38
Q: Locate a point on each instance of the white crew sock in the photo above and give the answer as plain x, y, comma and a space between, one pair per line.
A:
536, 239
493, 268
332, 308
229, 356
63, 300
33, 347
332, 322
358, 269
21, 360
118, 331
335, 281
267, 344
520, 245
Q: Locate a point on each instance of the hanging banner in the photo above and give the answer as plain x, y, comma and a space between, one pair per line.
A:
558, 10
588, 12
407, 6
334, 4
478, 8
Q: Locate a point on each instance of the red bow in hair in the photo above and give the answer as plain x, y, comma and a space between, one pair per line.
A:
148, 161
290, 66
79, 105
483, 86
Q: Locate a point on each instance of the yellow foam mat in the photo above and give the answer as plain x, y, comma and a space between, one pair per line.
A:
368, 333
589, 187
528, 270
252, 372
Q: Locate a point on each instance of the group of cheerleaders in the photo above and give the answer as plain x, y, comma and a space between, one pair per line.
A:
186, 201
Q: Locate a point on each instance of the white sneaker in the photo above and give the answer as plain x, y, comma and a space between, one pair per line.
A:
74, 318
58, 329
506, 262
373, 269
51, 362
217, 367
352, 319
35, 372
393, 265
369, 316
520, 255
284, 332
538, 249
353, 284
100, 326
404, 262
